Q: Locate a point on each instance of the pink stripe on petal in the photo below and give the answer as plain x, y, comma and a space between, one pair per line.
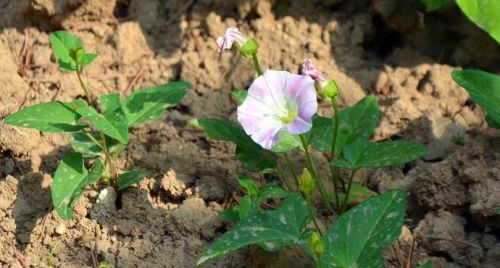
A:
298, 126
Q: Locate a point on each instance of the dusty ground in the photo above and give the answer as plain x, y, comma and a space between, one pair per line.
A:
168, 219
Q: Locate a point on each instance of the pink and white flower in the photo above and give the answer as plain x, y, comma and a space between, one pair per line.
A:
278, 101
308, 68
326, 88
232, 35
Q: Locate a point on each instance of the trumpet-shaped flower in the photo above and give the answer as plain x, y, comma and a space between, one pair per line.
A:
278, 101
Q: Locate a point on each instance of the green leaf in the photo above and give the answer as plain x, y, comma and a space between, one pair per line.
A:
70, 179
250, 154
426, 265
95, 172
239, 95
358, 194
149, 104
230, 214
54, 116
484, 89
491, 122
110, 102
82, 143
130, 177
113, 123
249, 185
247, 207
359, 236
271, 191
432, 5
283, 226
67, 49
484, 13
358, 121
286, 142
377, 155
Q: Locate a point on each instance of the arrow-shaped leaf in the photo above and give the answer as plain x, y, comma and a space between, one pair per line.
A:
69, 183
54, 116
283, 227
377, 155
358, 237
250, 154
149, 104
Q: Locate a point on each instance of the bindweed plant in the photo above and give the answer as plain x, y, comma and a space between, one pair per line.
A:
278, 121
99, 132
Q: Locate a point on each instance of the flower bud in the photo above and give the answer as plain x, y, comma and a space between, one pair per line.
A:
325, 87
246, 46
316, 245
306, 182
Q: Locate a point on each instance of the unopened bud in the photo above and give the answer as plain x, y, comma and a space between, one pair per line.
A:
326, 88
316, 245
246, 46
306, 182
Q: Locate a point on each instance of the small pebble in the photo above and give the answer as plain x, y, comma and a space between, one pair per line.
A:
60, 229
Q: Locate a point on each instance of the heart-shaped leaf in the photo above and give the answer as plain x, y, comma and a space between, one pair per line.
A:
130, 177
250, 154
54, 116
363, 153
358, 121
149, 104
283, 227
359, 236
70, 179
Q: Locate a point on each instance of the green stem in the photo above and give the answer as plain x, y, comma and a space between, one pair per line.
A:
319, 263
283, 177
314, 173
103, 145
311, 212
344, 207
82, 84
109, 159
256, 64
333, 170
292, 170
92, 138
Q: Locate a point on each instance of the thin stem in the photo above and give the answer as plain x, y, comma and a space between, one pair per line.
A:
92, 138
82, 84
410, 254
283, 177
311, 212
348, 189
319, 263
292, 170
315, 174
109, 159
333, 171
256, 64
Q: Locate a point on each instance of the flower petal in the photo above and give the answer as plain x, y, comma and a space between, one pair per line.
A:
266, 137
299, 126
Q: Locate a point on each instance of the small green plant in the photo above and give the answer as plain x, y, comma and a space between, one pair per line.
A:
277, 117
99, 133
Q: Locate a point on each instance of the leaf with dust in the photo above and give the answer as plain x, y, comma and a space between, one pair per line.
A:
359, 236
283, 227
